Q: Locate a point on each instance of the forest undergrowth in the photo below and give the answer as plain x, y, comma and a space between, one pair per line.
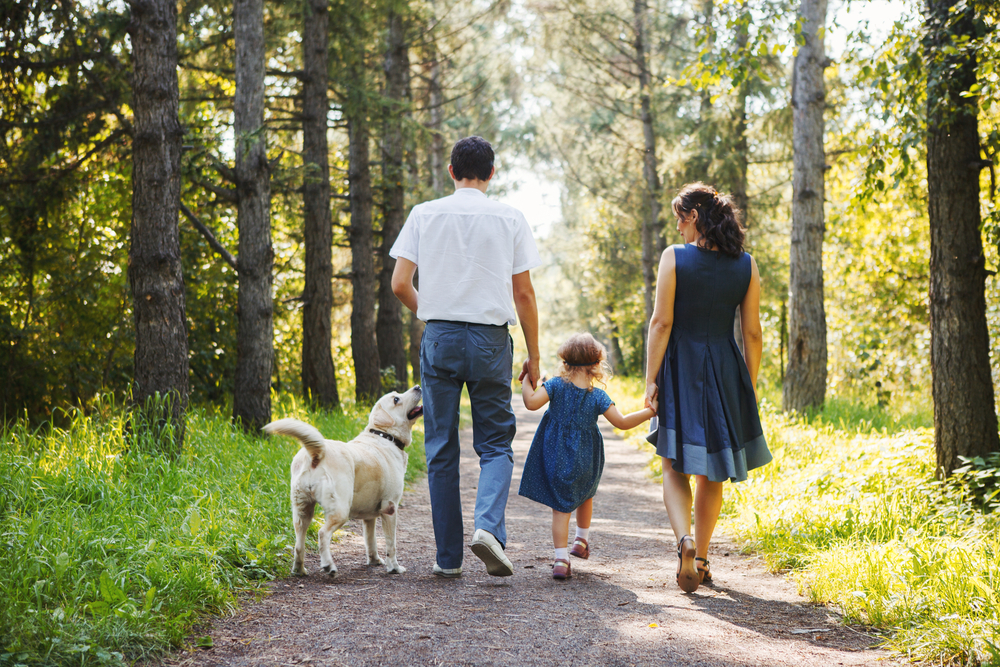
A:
851, 510
110, 554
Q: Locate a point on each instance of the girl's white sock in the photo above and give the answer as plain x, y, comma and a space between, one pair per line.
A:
562, 554
583, 532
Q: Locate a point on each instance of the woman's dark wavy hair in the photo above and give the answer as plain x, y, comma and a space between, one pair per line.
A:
718, 218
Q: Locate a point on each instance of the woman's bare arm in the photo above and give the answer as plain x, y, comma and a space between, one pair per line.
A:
753, 344
661, 322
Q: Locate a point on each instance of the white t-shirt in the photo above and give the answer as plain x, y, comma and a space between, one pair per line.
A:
467, 247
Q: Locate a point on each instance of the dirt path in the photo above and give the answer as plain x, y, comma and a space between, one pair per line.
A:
604, 615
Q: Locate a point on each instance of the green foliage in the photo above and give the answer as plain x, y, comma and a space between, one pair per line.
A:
110, 554
63, 215
898, 77
980, 476
850, 507
878, 335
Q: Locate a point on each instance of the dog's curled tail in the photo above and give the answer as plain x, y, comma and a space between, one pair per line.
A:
308, 435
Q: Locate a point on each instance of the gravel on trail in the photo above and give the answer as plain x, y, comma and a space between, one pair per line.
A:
620, 607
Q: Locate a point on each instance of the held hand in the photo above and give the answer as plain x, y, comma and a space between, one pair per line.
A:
654, 406
530, 370
650, 398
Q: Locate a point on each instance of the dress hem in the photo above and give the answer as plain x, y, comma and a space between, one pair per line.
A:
731, 464
557, 509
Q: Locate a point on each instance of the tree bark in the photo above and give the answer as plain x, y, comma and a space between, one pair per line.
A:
255, 328
965, 422
435, 179
651, 232
740, 156
436, 97
702, 163
364, 349
154, 270
805, 381
416, 333
389, 326
741, 150
319, 377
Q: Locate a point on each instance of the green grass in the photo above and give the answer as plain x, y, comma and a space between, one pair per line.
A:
850, 509
109, 554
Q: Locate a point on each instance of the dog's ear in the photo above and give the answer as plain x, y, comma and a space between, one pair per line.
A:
381, 417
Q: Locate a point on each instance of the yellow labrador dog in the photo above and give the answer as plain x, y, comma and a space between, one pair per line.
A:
360, 479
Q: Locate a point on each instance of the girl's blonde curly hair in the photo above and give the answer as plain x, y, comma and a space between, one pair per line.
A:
582, 353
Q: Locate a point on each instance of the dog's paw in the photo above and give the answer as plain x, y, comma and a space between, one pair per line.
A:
330, 570
375, 560
300, 572
395, 569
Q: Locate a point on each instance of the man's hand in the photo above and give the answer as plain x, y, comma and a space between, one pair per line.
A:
530, 370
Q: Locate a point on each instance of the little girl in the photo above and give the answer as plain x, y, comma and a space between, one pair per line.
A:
566, 458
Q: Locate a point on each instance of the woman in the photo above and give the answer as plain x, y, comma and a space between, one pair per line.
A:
708, 425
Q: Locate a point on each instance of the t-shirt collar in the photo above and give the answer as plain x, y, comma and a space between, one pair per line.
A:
476, 192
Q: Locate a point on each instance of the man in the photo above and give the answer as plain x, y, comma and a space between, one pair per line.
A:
474, 256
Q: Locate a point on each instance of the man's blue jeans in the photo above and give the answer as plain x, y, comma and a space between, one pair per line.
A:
481, 357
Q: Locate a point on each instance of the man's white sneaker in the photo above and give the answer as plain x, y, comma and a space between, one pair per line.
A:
488, 549
449, 573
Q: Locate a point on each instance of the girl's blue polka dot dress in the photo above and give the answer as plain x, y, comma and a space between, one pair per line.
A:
566, 459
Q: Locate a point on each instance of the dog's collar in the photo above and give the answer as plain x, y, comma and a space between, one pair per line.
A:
396, 441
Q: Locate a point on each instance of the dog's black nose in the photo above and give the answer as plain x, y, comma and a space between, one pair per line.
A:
417, 387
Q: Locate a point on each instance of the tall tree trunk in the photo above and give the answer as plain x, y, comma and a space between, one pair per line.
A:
319, 377
255, 329
805, 381
154, 269
436, 98
615, 356
414, 327
702, 163
389, 326
965, 422
651, 228
740, 152
435, 178
364, 349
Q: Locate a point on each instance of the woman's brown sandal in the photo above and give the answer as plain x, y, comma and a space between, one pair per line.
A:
688, 577
705, 572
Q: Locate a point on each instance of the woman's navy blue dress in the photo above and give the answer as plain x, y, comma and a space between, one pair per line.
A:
566, 459
708, 422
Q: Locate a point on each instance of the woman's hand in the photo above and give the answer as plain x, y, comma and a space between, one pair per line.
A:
650, 398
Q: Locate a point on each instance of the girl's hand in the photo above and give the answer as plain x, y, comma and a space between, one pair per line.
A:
650, 398
653, 404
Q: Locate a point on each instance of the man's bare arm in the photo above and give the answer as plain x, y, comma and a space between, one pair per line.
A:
402, 283
527, 315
